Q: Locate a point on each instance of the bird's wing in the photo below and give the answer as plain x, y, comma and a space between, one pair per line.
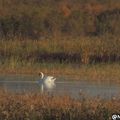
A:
52, 78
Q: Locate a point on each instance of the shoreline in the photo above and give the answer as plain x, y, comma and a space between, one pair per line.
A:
98, 72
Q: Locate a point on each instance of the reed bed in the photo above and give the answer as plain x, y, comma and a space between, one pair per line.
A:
81, 50
35, 106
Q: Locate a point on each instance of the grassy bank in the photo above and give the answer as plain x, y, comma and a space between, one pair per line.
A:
80, 50
98, 72
43, 107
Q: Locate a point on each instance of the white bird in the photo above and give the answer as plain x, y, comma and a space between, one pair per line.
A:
48, 82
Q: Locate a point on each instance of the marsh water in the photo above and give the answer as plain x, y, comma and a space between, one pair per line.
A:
64, 86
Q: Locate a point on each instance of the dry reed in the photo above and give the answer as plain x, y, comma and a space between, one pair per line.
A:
34, 106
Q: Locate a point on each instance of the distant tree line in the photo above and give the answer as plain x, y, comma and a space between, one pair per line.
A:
45, 18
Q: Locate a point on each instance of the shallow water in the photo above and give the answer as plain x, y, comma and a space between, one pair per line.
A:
19, 84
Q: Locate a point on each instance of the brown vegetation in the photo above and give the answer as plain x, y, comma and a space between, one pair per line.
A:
35, 19
80, 50
39, 32
43, 107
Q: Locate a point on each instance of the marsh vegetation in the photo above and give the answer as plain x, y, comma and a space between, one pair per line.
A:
91, 58
47, 107
59, 31
59, 37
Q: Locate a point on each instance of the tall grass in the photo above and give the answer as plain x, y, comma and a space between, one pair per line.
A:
33, 106
80, 50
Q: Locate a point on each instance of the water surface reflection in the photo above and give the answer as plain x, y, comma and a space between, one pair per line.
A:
19, 84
